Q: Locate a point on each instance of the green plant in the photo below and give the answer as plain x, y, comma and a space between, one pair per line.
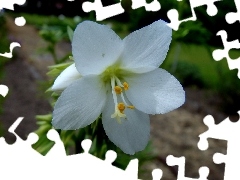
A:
52, 35
3, 41
228, 88
188, 74
192, 32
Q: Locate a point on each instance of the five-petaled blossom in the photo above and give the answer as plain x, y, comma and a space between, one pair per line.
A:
120, 79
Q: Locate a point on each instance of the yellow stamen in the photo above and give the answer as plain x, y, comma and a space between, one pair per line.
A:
125, 86
131, 107
121, 107
118, 89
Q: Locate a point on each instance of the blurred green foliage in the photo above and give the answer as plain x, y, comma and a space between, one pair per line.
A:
52, 35
61, 22
199, 56
192, 32
188, 74
52, 29
3, 41
229, 91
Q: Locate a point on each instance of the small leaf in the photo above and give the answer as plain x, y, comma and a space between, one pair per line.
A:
70, 33
61, 66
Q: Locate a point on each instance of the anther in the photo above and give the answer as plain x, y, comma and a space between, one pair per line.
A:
131, 107
121, 107
125, 86
118, 89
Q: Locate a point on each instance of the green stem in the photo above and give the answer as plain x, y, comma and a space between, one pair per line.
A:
51, 49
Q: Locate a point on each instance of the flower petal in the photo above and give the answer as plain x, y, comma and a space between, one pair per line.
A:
80, 104
146, 48
155, 92
132, 135
95, 47
67, 77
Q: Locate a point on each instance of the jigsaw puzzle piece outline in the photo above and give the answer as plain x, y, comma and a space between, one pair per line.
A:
102, 12
232, 17
131, 172
9, 4
11, 47
58, 149
153, 6
157, 174
3, 90
19, 21
173, 14
67, 166
219, 131
229, 131
219, 54
180, 162
20, 143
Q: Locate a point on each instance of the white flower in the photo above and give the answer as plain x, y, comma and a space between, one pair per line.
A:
120, 79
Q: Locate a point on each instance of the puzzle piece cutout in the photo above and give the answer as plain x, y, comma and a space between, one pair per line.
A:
19, 21
21, 159
232, 17
173, 14
12, 46
12, 156
9, 4
116, 9
153, 6
224, 53
157, 174
229, 131
180, 162
58, 149
102, 12
3, 90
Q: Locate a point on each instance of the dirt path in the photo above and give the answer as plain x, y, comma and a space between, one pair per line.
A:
21, 76
174, 133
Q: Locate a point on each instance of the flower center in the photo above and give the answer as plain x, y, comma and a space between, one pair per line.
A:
117, 90
114, 74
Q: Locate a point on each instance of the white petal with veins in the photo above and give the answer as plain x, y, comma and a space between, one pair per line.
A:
95, 47
155, 92
146, 48
67, 77
132, 134
80, 104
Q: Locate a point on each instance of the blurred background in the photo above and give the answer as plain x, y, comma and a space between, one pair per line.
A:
211, 88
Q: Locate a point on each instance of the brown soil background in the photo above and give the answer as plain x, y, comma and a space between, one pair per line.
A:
174, 133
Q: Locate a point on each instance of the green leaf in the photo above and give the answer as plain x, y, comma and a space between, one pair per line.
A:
70, 33
46, 117
61, 66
